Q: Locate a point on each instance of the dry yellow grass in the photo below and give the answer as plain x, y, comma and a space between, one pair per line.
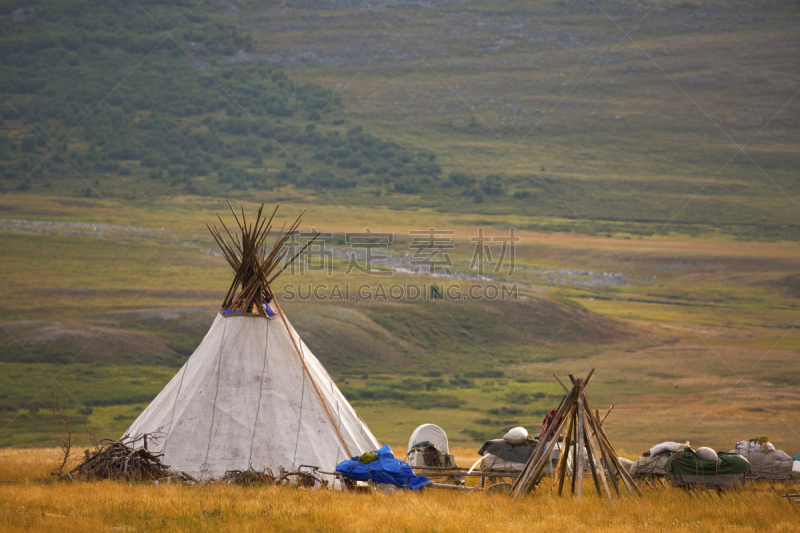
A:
27, 505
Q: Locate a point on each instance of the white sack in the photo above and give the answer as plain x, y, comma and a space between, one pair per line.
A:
627, 464
707, 454
518, 435
667, 446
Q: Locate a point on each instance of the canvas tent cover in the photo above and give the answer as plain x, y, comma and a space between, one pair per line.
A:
244, 399
765, 462
430, 433
686, 462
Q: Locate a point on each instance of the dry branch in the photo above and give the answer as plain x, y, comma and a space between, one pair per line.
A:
249, 477
60, 412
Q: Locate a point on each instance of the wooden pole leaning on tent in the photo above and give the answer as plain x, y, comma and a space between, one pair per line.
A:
575, 416
310, 377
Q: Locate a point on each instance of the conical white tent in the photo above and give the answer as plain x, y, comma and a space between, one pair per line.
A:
244, 398
252, 394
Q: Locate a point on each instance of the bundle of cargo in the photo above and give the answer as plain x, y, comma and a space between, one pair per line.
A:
508, 454
651, 465
707, 467
428, 447
765, 461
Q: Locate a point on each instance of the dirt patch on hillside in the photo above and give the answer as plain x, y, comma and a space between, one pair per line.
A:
49, 341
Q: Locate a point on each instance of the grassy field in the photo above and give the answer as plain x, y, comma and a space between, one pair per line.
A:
28, 503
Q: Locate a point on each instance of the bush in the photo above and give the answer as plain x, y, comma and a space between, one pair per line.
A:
28, 144
461, 383
492, 185
428, 168
485, 374
461, 178
521, 195
407, 187
351, 162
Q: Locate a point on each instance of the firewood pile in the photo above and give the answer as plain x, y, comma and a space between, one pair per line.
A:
118, 460
249, 478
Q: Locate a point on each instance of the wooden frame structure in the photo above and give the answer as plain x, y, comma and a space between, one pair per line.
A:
458, 474
251, 260
574, 418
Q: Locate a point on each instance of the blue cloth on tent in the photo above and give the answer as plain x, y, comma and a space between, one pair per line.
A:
387, 469
270, 312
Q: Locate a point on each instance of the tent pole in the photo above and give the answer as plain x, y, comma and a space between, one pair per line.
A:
561, 466
303, 360
579, 414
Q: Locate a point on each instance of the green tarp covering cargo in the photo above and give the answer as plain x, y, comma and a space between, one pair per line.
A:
686, 468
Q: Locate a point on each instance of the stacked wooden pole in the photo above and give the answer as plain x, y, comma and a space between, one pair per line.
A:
574, 418
252, 263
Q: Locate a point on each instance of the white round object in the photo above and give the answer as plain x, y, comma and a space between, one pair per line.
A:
707, 454
518, 435
431, 433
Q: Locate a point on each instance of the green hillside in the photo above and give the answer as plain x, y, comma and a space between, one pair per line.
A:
542, 108
116, 106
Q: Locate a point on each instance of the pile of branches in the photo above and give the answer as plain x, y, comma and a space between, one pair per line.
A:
117, 460
301, 478
249, 477
252, 260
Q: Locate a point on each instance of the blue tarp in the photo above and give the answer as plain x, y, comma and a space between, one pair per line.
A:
387, 469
